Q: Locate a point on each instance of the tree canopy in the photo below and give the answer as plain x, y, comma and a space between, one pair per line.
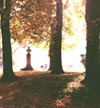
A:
31, 20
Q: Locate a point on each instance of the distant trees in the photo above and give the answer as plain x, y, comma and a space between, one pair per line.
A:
7, 52
93, 42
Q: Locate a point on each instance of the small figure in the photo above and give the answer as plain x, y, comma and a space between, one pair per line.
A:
28, 60
44, 66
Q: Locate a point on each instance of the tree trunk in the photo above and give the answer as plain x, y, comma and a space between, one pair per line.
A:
8, 73
1, 5
56, 39
93, 32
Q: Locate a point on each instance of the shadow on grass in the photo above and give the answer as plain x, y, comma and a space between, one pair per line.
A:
88, 95
38, 90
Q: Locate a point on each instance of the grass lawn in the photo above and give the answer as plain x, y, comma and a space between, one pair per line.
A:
44, 90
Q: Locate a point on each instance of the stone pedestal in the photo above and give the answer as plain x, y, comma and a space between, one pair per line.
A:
28, 60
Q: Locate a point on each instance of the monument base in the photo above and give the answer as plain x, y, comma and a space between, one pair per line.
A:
27, 68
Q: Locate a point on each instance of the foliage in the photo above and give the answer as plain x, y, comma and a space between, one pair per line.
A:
31, 20
73, 24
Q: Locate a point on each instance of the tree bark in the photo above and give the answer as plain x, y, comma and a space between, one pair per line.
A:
8, 73
1, 5
56, 39
93, 33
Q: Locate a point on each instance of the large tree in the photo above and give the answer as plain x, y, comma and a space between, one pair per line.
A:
8, 73
93, 33
1, 5
56, 38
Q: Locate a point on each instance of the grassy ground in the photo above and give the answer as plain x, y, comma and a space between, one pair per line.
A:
43, 90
